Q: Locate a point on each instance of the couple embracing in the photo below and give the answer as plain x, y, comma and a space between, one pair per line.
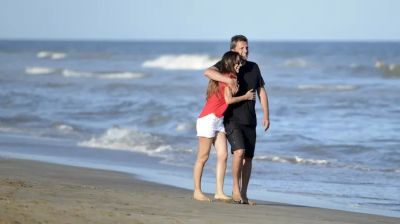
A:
229, 113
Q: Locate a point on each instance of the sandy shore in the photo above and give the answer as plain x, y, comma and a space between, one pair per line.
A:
34, 192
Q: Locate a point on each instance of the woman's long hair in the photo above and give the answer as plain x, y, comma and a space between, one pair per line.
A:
228, 61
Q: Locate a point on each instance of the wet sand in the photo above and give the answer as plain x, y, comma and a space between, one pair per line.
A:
35, 192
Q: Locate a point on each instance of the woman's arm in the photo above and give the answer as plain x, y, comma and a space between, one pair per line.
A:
230, 99
214, 74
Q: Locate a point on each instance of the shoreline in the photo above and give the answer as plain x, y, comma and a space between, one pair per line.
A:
34, 192
67, 153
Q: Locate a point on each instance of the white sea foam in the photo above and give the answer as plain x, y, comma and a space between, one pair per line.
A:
64, 128
36, 70
294, 160
132, 140
121, 75
389, 69
181, 62
295, 63
102, 75
322, 87
51, 55
185, 126
72, 73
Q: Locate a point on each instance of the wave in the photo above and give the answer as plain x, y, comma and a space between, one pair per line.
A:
388, 69
102, 75
324, 162
51, 55
181, 62
295, 63
36, 70
186, 126
131, 140
294, 160
64, 128
20, 119
323, 87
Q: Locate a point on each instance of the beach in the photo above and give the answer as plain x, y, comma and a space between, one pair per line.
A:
131, 107
37, 192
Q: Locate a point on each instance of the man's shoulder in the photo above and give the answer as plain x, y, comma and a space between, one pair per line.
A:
251, 63
251, 67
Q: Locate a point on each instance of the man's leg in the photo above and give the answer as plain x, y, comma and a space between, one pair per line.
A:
250, 142
222, 156
237, 164
246, 173
202, 157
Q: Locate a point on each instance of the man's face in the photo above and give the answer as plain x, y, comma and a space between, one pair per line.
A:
242, 49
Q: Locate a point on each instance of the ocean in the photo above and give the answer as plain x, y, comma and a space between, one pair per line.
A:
334, 112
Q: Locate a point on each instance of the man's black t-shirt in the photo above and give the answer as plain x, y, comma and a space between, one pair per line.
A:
249, 77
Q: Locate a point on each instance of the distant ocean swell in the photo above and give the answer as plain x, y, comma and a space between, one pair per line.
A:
37, 70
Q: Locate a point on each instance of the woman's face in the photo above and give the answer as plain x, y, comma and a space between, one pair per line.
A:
238, 64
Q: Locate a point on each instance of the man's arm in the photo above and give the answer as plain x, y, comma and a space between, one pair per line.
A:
214, 74
263, 97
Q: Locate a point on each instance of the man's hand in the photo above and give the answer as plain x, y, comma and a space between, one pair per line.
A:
234, 86
265, 123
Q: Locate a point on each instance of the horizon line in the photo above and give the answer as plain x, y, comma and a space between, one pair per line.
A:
167, 40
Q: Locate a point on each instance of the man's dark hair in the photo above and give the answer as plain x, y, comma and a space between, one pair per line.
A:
237, 38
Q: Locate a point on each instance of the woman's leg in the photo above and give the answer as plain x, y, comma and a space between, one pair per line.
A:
222, 155
202, 157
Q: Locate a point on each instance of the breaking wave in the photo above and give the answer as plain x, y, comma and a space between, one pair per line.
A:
102, 75
131, 140
181, 62
323, 87
294, 160
51, 55
36, 70
295, 63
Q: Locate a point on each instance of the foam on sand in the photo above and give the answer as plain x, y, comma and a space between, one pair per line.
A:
181, 62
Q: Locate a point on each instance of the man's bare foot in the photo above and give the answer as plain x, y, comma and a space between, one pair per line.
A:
248, 202
200, 197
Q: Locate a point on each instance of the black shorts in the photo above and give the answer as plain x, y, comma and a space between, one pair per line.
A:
241, 137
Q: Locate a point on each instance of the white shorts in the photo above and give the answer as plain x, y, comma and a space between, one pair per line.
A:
209, 125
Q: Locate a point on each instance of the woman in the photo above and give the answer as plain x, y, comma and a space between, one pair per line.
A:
210, 127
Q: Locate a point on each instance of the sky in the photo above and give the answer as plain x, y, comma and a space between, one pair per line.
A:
264, 20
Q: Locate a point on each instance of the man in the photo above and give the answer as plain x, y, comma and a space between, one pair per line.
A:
240, 119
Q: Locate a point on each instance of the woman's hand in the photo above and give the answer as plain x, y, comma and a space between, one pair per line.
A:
250, 95
233, 84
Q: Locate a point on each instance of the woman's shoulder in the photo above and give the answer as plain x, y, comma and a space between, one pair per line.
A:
230, 75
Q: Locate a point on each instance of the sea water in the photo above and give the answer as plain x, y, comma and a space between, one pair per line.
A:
334, 112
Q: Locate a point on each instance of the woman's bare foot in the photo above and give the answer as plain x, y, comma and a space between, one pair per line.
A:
237, 198
200, 197
222, 197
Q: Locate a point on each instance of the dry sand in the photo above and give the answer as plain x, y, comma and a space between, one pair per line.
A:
34, 192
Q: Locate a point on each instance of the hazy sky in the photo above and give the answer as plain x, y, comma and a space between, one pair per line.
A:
200, 19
